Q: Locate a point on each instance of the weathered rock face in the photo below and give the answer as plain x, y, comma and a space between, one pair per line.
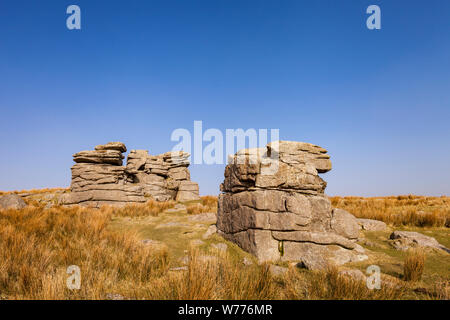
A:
98, 177
12, 201
273, 205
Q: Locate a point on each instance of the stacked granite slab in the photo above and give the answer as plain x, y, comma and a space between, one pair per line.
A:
273, 205
163, 177
99, 178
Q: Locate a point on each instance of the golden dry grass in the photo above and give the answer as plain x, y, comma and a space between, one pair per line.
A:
441, 290
207, 204
331, 285
401, 210
37, 245
34, 191
414, 265
409, 210
217, 278
150, 208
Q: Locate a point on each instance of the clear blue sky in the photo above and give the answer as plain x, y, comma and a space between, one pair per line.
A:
379, 101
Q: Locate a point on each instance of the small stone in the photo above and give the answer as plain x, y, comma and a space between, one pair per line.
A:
277, 270
247, 261
114, 296
211, 230
197, 242
354, 274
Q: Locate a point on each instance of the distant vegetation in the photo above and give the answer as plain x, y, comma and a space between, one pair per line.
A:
400, 210
34, 191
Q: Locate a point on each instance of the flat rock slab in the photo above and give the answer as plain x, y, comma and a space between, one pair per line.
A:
403, 240
118, 146
372, 225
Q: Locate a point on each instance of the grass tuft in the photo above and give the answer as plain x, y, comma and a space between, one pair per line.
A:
414, 265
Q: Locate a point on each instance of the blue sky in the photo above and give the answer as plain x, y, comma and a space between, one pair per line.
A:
378, 100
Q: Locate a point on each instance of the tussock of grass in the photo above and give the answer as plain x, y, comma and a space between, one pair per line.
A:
401, 210
414, 265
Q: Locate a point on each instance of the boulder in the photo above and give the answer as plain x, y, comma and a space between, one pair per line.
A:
345, 224
12, 201
188, 191
273, 206
354, 274
403, 240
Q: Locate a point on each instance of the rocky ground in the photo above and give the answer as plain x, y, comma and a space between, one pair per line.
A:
177, 230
